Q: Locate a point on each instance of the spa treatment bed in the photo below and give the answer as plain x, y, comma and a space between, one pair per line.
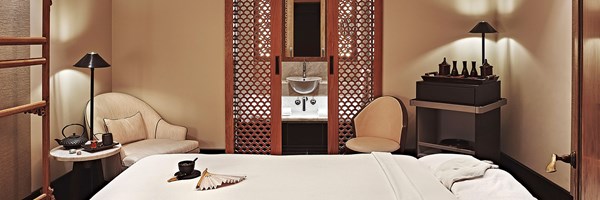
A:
380, 176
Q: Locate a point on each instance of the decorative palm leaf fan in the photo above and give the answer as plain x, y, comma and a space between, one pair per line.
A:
209, 181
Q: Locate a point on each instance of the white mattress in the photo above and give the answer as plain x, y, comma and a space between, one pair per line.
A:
380, 176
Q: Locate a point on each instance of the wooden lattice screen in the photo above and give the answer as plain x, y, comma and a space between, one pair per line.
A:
358, 54
253, 84
254, 119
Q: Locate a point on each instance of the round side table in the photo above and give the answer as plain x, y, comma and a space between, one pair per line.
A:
87, 175
61, 154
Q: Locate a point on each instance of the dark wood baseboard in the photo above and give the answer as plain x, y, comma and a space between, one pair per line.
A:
539, 186
212, 151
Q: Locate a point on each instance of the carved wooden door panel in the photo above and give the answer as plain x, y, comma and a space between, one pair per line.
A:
253, 83
355, 59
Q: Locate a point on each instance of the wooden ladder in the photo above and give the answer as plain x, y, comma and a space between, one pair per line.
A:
41, 108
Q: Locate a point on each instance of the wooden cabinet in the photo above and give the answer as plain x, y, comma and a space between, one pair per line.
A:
304, 137
458, 118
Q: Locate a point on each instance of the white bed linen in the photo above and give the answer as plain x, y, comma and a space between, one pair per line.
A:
496, 184
378, 176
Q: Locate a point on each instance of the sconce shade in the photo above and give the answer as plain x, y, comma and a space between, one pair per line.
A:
483, 27
92, 60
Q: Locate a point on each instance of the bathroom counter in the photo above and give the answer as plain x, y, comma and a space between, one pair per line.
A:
304, 118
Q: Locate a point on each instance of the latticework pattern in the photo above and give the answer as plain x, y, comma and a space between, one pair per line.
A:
356, 48
252, 79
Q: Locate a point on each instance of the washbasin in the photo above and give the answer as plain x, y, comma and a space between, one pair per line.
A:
303, 85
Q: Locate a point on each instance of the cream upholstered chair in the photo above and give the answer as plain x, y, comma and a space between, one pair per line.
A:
160, 136
380, 126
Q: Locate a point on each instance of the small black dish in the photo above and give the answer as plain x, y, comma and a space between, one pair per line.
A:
181, 176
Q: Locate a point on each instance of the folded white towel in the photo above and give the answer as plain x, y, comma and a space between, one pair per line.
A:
286, 111
459, 169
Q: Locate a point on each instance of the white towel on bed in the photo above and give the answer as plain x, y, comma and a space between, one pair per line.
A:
459, 169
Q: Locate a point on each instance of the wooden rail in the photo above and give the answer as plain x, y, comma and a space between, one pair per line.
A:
22, 109
41, 108
22, 40
22, 62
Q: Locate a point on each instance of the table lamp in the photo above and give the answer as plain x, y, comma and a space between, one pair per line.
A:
92, 60
483, 27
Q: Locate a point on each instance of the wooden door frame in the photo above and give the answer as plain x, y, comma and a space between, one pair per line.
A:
332, 83
229, 132
577, 59
276, 47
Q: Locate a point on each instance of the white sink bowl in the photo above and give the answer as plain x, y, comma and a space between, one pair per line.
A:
304, 85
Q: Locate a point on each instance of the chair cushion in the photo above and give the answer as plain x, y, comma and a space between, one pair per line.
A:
372, 144
131, 153
128, 129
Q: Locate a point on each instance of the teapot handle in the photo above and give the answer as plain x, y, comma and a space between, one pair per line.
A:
63, 130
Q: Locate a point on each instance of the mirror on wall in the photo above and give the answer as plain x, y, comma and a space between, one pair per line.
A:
304, 29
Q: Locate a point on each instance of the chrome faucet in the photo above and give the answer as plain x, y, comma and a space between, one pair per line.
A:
304, 99
304, 69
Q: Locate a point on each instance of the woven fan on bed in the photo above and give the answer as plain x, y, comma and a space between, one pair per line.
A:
209, 181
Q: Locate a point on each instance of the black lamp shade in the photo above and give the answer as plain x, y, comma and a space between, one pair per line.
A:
92, 60
483, 27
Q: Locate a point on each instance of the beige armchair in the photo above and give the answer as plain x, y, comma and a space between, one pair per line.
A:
160, 136
380, 126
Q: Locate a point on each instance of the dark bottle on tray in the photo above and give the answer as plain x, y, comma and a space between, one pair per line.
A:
464, 71
454, 70
444, 68
486, 69
473, 69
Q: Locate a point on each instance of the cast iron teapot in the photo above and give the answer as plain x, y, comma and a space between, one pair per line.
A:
73, 141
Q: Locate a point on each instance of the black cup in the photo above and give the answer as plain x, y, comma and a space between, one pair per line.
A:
186, 167
107, 139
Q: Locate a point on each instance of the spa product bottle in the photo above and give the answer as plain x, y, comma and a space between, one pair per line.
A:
464, 72
486, 69
454, 70
473, 69
444, 68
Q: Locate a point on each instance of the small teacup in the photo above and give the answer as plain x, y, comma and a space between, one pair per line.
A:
107, 139
186, 167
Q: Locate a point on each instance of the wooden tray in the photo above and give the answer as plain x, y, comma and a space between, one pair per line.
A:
459, 79
99, 147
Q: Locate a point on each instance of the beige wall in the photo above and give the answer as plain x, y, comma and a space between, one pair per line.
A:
77, 27
535, 49
172, 56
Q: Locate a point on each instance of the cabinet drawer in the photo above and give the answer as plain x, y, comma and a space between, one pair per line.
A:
474, 95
